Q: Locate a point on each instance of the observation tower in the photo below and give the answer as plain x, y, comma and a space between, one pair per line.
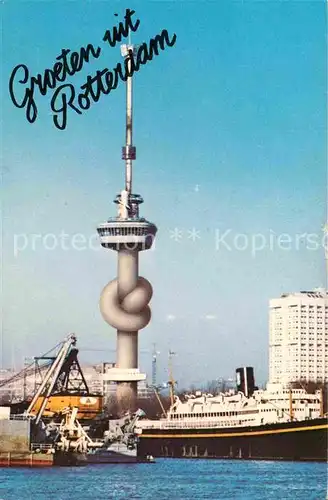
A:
124, 301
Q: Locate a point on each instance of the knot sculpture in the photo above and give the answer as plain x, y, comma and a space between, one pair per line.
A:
130, 312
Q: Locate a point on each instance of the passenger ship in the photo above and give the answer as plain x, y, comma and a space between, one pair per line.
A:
276, 423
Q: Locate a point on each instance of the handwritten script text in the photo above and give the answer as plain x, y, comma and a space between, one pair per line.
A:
23, 87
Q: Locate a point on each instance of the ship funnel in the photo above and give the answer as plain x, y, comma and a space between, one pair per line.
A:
245, 380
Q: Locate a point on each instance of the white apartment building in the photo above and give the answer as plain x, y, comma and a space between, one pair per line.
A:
298, 337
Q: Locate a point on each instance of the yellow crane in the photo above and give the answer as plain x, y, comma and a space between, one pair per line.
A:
64, 386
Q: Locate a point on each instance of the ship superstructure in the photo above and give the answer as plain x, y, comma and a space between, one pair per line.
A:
275, 404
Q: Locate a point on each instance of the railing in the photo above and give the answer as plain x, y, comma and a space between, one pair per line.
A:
41, 446
260, 419
195, 424
21, 417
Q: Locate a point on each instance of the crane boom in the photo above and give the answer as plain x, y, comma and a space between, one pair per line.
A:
51, 377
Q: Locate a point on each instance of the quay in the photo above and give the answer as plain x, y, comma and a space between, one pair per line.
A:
16, 448
26, 459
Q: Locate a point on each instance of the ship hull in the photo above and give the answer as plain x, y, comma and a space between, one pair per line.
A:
117, 453
69, 459
299, 441
111, 458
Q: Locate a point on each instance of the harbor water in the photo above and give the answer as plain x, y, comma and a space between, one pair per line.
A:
169, 479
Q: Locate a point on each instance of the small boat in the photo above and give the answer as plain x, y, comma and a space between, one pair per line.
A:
115, 453
119, 445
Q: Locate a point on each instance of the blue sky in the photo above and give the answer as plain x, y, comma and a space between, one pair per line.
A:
230, 131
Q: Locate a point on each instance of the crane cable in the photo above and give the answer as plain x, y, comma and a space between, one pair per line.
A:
27, 369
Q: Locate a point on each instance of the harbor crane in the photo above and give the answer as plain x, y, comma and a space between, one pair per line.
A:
63, 385
47, 385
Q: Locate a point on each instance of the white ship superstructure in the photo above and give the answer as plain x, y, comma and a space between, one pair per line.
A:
275, 404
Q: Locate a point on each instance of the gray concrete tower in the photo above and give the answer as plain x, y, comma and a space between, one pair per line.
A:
124, 301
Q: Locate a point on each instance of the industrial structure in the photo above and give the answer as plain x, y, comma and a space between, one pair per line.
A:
154, 366
58, 383
298, 345
124, 301
63, 423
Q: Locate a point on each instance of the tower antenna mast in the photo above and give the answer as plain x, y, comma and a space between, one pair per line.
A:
129, 152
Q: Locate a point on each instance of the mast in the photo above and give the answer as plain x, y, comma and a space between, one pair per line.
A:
321, 403
291, 411
129, 150
171, 379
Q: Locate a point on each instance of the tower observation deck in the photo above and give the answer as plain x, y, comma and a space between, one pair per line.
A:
124, 301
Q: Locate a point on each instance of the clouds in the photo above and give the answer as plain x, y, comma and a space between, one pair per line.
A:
210, 317
206, 317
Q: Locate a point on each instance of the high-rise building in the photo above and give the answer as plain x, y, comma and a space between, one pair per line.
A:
298, 344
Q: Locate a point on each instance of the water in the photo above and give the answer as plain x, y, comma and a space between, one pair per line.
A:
169, 479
